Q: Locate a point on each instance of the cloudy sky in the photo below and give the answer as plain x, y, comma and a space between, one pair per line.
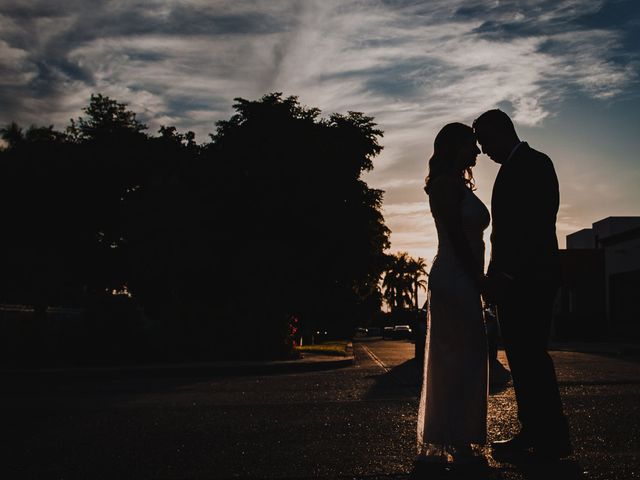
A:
566, 70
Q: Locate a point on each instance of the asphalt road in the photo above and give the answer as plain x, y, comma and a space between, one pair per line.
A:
352, 422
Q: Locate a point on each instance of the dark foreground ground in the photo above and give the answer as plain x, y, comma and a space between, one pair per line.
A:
350, 422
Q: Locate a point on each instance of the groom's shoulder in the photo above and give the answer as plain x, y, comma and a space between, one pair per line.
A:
540, 169
541, 159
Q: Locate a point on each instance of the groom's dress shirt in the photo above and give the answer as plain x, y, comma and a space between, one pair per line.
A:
524, 206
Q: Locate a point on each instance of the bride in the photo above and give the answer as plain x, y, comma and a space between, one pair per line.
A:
452, 417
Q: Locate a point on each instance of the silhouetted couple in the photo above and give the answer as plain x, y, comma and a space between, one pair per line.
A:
522, 279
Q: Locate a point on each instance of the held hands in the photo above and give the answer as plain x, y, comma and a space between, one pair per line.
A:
494, 288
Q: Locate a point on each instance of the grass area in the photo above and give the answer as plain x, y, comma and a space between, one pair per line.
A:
334, 347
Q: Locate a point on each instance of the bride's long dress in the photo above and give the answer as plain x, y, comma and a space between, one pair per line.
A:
453, 400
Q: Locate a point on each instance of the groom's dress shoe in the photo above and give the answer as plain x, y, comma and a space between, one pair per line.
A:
546, 449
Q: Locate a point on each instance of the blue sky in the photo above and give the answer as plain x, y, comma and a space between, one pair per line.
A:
566, 70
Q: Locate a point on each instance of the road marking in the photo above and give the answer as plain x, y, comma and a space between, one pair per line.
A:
408, 386
375, 358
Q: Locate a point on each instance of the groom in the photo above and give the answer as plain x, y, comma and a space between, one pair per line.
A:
522, 279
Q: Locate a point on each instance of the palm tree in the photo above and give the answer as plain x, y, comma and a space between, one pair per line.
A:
418, 273
403, 277
397, 283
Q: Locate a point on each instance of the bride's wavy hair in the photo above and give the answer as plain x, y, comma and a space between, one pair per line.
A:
445, 149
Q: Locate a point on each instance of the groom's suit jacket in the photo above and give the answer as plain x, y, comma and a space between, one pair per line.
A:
524, 205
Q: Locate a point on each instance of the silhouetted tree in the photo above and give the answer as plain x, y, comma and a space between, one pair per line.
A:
418, 273
298, 204
397, 282
61, 203
218, 243
403, 277
104, 118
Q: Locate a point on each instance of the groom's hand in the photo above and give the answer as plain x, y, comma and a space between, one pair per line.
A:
496, 287
488, 289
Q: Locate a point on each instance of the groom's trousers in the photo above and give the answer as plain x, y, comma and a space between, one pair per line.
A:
525, 323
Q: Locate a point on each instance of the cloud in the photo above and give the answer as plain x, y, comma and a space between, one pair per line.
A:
408, 63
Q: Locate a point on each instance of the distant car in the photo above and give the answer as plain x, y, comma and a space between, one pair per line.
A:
362, 332
387, 332
373, 332
402, 331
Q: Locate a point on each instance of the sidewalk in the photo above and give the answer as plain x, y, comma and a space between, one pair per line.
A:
308, 362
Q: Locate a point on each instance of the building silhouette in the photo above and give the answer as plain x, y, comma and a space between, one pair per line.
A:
600, 295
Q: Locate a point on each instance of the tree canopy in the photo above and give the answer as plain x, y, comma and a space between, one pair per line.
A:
104, 118
216, 243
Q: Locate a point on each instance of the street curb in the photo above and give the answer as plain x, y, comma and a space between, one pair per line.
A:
310, 362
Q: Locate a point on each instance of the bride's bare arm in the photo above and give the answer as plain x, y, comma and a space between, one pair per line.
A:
445, 198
